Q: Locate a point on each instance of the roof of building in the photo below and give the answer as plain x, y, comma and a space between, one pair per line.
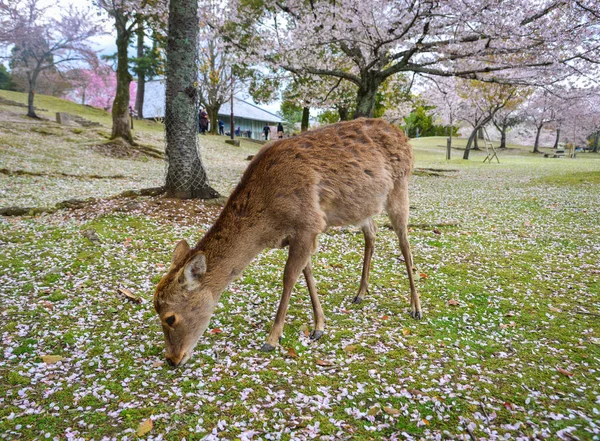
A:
154, 105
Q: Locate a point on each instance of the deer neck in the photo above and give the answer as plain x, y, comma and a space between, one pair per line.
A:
229, 247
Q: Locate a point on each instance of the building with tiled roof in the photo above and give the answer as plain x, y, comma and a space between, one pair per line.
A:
247, 117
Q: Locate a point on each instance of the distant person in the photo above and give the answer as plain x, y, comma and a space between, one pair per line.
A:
203, 121
267, 131
280, 131
221, 127
238, 131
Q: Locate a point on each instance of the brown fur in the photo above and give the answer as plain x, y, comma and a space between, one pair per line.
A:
294, 189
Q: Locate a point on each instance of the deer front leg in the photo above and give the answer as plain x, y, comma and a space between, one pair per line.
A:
369, 230
319, 317
298, 256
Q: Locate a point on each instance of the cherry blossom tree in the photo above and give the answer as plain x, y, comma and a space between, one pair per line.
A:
367, 42
447, 105
505, 119
96, 87
580, 117
41, 42
127, 16
543, 107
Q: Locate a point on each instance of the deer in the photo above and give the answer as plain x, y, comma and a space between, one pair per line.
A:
292, 190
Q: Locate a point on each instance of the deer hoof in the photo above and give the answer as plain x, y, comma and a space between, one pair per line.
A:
316, 334
267, 348
357, 300
418, 315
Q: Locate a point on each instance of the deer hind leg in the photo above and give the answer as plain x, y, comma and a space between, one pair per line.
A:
319, 317
369, 230
397, 208
300, 250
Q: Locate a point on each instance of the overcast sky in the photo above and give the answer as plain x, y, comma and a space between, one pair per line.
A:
105, 44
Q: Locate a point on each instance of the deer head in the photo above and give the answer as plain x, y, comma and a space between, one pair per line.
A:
184, 304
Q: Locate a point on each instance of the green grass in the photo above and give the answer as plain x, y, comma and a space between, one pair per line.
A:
520, 260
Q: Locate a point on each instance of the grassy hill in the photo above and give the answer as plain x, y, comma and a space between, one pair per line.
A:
48, 152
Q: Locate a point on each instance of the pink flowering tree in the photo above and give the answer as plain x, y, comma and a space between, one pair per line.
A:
127, 17
366, 43
97, 87
42, 42
447, 105
547, 106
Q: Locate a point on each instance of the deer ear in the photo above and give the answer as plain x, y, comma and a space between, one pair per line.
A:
194, 269
181, 250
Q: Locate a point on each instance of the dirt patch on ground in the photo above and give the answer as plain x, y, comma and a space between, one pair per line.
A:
121, 149
117, 148
167, 210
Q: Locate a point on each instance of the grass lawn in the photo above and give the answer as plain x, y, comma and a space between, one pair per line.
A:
508, 264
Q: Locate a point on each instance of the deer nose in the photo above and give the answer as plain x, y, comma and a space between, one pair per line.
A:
175, 360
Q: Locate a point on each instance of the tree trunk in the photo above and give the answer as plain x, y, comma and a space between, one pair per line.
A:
366, 96
476, 141
305, 119
344, 113
557, 138
141, 73
596, 142
469, 143
120, 109
186, 176
32, 80
503, 137
480, 133
213, 116
536, 145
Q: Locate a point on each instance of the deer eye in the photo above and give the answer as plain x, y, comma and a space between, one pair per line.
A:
170, 320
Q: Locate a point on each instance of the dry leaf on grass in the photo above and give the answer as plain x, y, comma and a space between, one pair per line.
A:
565, 372
291, 352
129, 295
51, 359
415, 392
323, 362
405, 331
391, 411
216, 331
144, 427
453, 302
375, 410
350, 348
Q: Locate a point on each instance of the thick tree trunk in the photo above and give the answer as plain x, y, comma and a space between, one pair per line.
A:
120, 108
305, 119
366, 96
596, 142
186, 176
557, 138
141, 73
536, 145
476, 141
213, 115
503, 137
